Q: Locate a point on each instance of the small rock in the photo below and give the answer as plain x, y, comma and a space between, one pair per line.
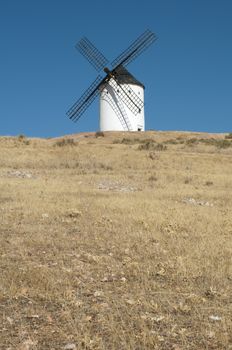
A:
27, 345
104, 305
211, 334
88, 318
19, 174
161, 272
10, 320
33, 316
160, 338
195, 202
74, 213
157, 319
104, 279
70, 346
116, 186
215, 318
98, 293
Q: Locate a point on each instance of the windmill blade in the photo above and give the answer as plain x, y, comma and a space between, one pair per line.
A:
85, 100
135, 49
130, 92
127, 95
92, 54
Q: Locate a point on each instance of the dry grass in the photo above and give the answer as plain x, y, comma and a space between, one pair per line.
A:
109, 245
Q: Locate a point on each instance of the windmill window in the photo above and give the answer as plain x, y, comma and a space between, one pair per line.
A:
138, 92
117, 90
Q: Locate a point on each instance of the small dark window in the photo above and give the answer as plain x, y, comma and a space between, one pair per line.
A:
139, 129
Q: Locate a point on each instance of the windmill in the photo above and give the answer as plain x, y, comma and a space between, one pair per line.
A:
121, 94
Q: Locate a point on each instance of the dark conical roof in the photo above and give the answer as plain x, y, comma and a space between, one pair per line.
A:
124, 77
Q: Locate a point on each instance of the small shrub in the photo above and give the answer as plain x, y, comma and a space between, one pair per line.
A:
229, 136
65, 142
105, 166
21, 137
146, 146
149, 145
133, 141
208, 183
223, 144
219, 143
99, 134
147, 140
172, 142
160, 147
127, 141
152, 178
210, 142
116, 141
187, 180
191, 142
153, 155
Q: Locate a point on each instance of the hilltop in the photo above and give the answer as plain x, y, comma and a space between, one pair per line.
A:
116, 241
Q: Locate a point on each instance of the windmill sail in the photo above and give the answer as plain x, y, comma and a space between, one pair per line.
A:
85, 100
135, 49
127, 96
92, 54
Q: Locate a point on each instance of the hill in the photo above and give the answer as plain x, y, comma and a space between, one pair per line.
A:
116, 241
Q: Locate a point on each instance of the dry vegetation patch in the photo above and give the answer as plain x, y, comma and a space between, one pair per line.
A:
106, 242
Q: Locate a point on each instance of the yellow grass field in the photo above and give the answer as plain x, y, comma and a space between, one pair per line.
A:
116, 241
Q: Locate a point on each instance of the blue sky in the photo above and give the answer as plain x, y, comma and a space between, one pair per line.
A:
187, 72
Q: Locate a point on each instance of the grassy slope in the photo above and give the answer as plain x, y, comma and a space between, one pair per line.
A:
109, 246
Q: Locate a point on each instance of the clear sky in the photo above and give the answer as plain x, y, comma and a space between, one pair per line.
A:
187, 72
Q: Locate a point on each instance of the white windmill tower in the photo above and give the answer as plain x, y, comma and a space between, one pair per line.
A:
114, 112
121, 94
